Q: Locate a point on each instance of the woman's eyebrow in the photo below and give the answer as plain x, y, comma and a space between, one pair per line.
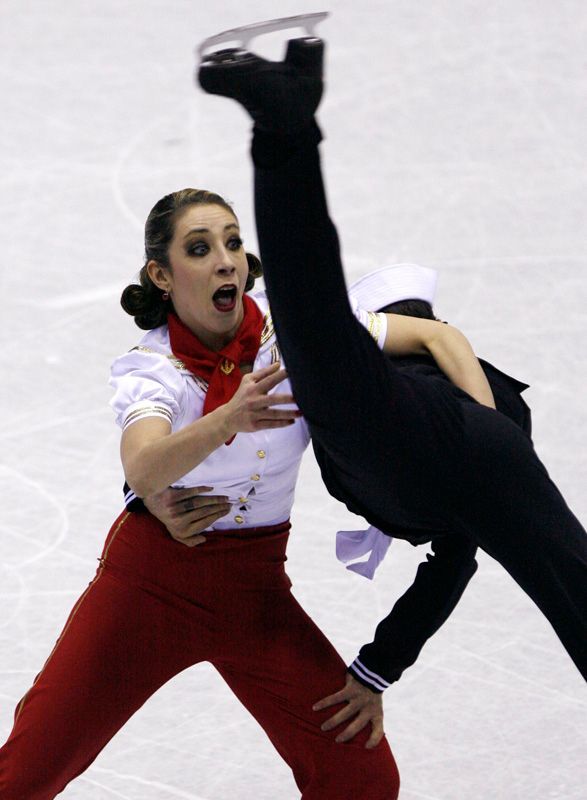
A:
207, 230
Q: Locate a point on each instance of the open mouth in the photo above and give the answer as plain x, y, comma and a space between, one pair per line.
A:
224, 299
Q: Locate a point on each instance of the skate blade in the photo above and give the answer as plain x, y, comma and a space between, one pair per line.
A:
246, 33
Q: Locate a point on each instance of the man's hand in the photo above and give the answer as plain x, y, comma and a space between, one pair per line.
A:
185, 513
363, 704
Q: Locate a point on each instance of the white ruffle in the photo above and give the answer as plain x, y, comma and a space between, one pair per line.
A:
352, 545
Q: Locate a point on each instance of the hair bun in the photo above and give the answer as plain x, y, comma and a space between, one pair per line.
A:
145, 303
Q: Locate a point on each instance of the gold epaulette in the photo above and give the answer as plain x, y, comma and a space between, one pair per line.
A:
268, 328
177, 362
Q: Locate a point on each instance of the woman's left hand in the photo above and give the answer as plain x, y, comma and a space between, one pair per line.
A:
363, 704
449, 347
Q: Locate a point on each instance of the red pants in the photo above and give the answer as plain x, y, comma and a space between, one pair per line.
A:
156, 607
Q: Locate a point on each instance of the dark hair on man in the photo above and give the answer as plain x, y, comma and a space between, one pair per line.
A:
144, 301
410, 308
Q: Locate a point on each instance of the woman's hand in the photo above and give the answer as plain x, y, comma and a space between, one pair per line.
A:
187, 512
154, 458
250, 409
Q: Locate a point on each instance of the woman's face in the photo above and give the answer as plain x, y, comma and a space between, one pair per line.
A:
208, 273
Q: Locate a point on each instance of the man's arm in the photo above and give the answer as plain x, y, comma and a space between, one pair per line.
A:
438, 586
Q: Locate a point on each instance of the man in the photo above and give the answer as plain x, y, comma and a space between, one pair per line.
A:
424, 461
406, 289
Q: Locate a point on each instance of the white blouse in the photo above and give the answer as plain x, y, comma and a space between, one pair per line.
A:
257, 471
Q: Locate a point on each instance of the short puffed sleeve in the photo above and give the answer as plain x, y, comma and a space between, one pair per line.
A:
375, 322
146, 384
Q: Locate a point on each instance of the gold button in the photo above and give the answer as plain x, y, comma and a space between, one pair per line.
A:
255, 477
243, 499
239, 519
261, 453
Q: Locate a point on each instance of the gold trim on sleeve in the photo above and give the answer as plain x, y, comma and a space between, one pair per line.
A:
150, 411
374, 325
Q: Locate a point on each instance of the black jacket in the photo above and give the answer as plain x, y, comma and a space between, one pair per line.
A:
440, 580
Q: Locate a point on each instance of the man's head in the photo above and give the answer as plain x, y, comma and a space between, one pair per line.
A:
407, 289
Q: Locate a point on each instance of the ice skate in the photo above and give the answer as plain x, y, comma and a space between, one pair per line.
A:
280, 96
246, 33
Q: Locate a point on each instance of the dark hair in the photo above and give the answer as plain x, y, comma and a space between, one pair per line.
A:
410, 308
144, 301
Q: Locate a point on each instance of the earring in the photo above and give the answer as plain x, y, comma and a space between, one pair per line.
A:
165, 296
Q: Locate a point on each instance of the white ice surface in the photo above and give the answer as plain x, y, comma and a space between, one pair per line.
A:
457, 137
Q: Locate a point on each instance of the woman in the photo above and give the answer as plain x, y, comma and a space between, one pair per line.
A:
425, 462
155, 607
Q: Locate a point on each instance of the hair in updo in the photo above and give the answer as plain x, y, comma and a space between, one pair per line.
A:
144, 300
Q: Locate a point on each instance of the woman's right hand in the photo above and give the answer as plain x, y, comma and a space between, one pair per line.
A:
154, 457
251, 407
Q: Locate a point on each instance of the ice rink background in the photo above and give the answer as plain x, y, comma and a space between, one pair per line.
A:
457, 138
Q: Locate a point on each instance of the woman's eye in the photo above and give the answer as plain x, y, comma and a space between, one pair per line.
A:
198, 249
235, 243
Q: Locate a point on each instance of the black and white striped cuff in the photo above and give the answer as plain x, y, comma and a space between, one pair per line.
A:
131, 501
368, 678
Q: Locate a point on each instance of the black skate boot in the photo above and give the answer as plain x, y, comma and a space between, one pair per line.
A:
280, 96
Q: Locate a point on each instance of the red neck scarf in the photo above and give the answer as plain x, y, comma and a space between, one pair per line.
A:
220, 369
